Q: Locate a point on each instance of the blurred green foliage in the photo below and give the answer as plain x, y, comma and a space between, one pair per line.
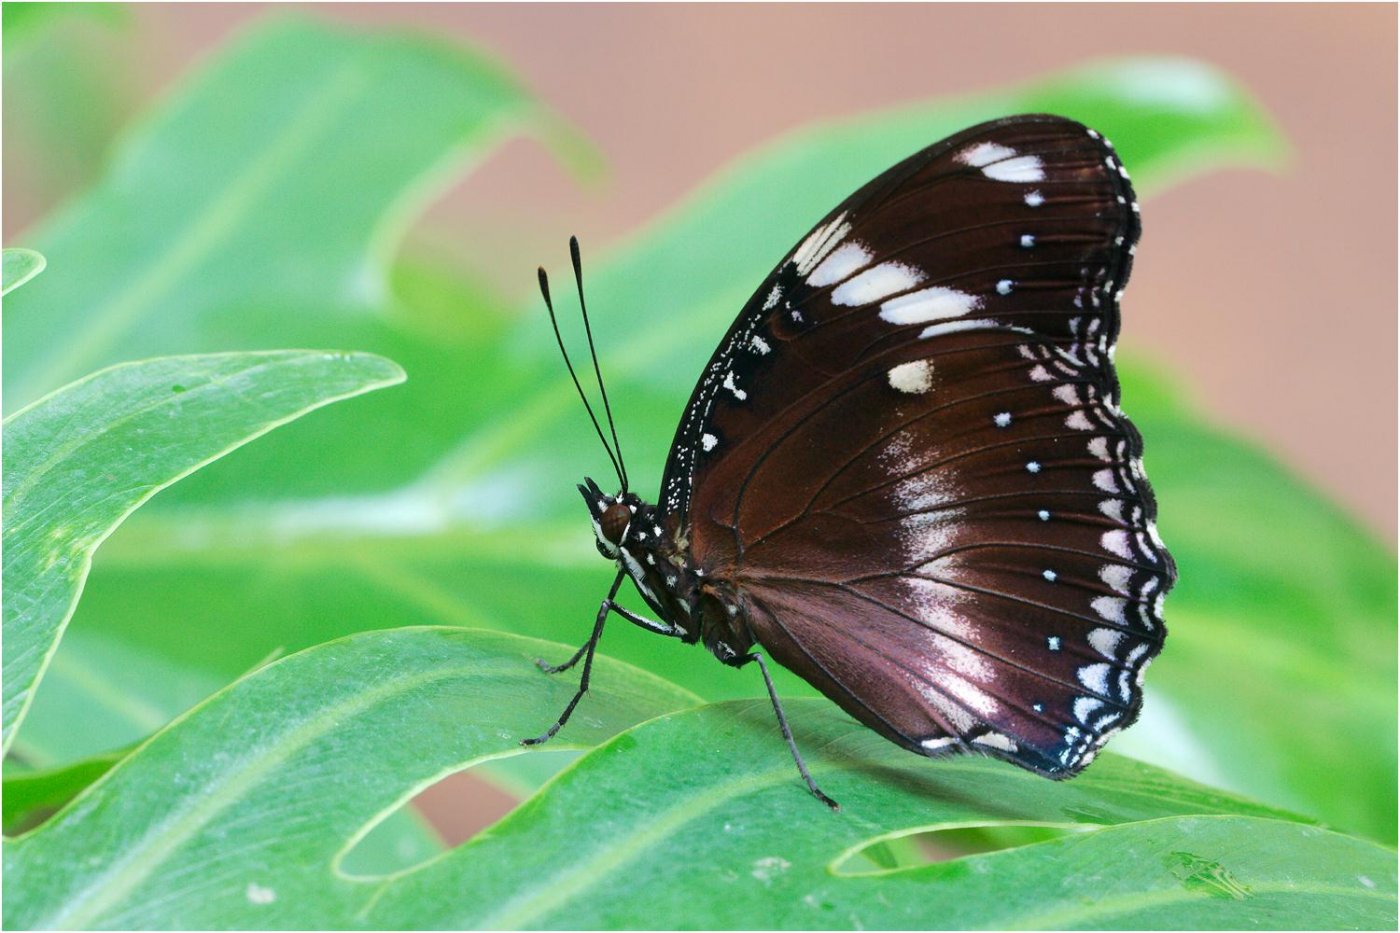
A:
260, 207
76, 56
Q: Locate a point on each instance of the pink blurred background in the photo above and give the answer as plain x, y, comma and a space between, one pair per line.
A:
1273, 297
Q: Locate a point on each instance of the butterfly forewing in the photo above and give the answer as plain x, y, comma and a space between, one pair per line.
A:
908, 459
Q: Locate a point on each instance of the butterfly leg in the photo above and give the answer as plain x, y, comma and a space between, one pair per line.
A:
588, 646
787, 734
586, 652
651, 625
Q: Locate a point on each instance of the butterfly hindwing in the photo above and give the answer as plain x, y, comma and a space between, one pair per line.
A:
907, 454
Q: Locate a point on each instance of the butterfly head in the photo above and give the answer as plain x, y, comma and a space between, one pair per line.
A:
611, 516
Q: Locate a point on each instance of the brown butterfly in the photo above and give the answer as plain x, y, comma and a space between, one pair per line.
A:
904, 473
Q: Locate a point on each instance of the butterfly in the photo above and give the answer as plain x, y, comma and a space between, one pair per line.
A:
904, 473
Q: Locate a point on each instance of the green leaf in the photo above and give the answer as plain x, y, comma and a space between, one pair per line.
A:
194, 824
19, 266
338, 736
82, 459
404, 838
708, 800
260, 205
31, 797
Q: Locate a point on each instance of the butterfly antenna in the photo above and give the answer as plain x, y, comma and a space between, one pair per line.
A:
554, 321
587, 329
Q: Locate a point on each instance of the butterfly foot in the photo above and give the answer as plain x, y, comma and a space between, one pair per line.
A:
540, 739
548, 668
835, 807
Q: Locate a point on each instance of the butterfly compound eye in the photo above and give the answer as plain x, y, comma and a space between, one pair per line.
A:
614, 522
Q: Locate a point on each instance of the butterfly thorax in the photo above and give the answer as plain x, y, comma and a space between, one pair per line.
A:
649, 546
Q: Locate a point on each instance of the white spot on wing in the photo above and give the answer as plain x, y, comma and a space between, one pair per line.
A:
708, 441
1079, 422
1116, 575
995, 740
935, 604
1085, 707
923, 531
1105, 480
1105, 641
1034, 199
912, 378
874, 284
984, 154
1002, 419
971, 695
929, 304
1110, 608
836, 267
999, 163
1020, 169
952, 327
774, 297
1004, 287
1095, 677
820, 242
739, 393
940, 742
1116, 542
957, 717
759, 345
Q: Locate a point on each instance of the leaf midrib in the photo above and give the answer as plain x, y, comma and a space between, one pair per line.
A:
84, 908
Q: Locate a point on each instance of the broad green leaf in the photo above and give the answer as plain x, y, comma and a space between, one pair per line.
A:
708, 800
260, 204
337, 737
31, 797
19, 266
699, 801
404, 838
83, 458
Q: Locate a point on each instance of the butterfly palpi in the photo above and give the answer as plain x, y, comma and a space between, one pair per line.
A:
904, 474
